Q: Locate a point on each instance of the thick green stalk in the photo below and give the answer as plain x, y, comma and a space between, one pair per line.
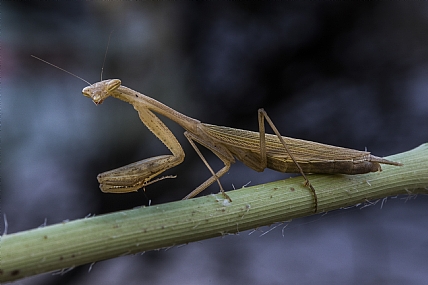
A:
92, 239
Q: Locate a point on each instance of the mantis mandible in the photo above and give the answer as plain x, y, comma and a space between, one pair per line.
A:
256, 150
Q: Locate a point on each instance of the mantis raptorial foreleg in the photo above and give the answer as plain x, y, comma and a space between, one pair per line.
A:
136, 175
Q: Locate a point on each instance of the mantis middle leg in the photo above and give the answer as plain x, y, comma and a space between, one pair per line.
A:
221, 153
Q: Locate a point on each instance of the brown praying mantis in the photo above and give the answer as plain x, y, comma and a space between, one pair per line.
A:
256, 150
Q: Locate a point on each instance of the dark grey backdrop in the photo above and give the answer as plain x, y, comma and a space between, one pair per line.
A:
353, 75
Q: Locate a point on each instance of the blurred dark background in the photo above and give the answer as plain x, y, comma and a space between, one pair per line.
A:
346, 74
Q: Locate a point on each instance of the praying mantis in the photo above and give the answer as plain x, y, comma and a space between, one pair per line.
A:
256, 150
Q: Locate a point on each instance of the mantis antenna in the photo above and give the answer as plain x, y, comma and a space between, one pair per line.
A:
102, 68
105, 55
61, 69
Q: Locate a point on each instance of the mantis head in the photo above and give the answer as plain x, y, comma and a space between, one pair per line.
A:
101, 90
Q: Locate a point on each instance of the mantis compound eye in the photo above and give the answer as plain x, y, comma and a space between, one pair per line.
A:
87, 91
95, 93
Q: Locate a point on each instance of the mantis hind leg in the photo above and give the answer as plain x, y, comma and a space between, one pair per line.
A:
262, 116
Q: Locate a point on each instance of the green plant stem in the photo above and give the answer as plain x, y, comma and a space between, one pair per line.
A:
87, 240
